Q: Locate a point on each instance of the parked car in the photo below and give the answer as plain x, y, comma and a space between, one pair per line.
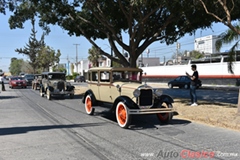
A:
17, 82
37, 81
182, 82
54, 84
123, 89
29, 78
79, 79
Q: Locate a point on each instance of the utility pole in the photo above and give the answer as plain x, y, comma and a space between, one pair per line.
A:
68, 67
76, 56
178, 47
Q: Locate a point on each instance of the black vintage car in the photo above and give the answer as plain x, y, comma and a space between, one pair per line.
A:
54, 83
29, 78
79, 79
182, 82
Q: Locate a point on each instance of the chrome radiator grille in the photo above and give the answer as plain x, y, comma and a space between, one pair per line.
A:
60, 86
145, 97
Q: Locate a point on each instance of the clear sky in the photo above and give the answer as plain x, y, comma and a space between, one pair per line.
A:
59, 39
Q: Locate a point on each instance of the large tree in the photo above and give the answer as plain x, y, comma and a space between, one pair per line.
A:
19, 65
32, 47
48, 57
228, 37
144, 21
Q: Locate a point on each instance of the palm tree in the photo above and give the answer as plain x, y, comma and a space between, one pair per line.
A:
94, 56
226, 38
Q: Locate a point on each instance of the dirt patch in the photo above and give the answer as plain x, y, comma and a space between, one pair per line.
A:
215, 114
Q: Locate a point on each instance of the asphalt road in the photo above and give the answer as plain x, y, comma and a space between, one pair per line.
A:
33, 127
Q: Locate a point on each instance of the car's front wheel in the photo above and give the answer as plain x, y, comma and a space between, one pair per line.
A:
165, 117
123, 118
88, 105
71, 96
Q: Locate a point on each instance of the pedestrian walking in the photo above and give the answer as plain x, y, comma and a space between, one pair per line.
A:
2, 82
194, 79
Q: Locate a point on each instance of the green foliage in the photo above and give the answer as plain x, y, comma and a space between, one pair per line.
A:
69, 77
196, 54
74, 75
48, 57
15, 66
94, 56
145, 21
32, 48
228, 37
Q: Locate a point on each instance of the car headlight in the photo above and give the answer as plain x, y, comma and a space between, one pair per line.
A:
136, 93
158, 92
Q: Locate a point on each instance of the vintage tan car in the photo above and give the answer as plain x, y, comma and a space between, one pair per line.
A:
123, 89
37, 81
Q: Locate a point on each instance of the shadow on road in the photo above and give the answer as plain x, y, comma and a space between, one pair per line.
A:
8, 97
25, 129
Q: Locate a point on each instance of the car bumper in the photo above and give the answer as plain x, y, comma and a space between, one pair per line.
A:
55, 92
150, 111
18, 85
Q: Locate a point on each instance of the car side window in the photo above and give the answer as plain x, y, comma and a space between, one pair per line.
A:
95, 76
105, 76
178, 79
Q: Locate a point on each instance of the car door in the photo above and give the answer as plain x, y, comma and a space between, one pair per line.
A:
93, 83
104, 86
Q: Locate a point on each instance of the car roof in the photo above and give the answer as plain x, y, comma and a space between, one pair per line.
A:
114, 69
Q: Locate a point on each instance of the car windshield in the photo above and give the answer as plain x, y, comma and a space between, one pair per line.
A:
17, 78
126, 76
29, 76
56, 76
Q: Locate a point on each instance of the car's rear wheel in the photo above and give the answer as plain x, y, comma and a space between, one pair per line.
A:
49, 96
41, 92
123, 118
170, 85
88, 105
165, 117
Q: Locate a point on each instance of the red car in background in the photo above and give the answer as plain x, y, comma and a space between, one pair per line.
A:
17, 82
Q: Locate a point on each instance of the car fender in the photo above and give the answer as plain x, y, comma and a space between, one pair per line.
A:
89, 92
165, 98
70, 88
127, 101
50, 88
41, 87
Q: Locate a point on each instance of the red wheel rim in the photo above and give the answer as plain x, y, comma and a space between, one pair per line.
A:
122, 114
88, 104
163, 116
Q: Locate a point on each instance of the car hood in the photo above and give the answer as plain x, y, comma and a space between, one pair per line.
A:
17, 81
129, 85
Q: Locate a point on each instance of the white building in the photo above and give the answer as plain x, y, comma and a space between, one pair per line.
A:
206, 44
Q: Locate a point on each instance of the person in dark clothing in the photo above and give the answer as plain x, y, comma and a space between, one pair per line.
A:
2, 82
194, 79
